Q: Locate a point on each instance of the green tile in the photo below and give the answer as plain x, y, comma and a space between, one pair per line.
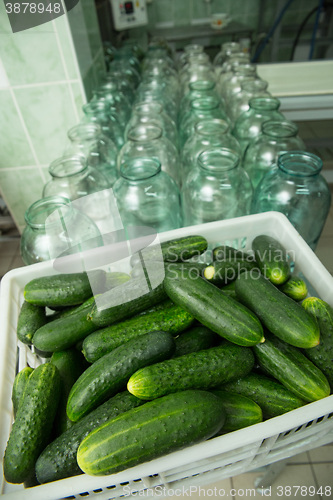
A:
20, 187
182, 12
81, 39
15, 148
79, 97
67, 47
92, 26
48, 112
165, 10
199, 10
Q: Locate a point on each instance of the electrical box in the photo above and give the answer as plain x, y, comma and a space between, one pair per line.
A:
128, 15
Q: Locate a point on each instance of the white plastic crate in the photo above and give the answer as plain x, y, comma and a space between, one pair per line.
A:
218, 458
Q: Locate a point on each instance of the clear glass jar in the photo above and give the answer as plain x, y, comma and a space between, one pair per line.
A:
296, 188
100, 112
148, 141
228, 67
227, 49
193, 72
207, 133
248, 125
128, 71
197, 90
115, 99
147, 196
232, 85
217, 189
53, 228
239, 103
100, 152
154, 90
276, 137
122, 83
189, 50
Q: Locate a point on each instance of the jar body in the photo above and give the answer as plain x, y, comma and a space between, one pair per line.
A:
239, 103
217, 189
100, 113
296, 188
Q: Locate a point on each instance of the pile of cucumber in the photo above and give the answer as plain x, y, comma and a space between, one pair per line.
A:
226, 340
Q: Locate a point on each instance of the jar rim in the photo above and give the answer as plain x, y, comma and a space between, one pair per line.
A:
207, 102
139, 169
37, 214
230, 157
199, 85
155, 105
266, 102
68, 166
279, 128
87, 130
141, 133
205, 127
300, 163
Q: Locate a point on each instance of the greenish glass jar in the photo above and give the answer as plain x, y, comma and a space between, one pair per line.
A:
296, 188
197, 90
101, 113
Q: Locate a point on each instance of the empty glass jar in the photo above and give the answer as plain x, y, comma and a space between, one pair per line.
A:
101, 113
216, 189
296, 188
147, 196
239, 103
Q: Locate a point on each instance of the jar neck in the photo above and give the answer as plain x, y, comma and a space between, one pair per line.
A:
68, 166
202, 86
84, 132
204, 104
140, 169
41, 211
253, 85
212, 128
300, 164
264, 104
144, 133
148, 108
276, 129
216, 161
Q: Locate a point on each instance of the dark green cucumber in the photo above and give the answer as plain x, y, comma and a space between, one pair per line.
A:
241, 411
19, 385
58, 459
33, 424
226, 252
30, 318
195, 339
154, 429
271, 258
322, 354
196, 370
295, 288
175, 250
171, 318
292, 368
71, 365
64, 332
109, 374
214, 309
229, 289
62, 289
127, 300
223, 272
273, 398
278, 313
195, 268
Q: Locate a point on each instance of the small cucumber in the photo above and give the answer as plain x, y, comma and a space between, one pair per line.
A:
171, 318
58, 459
33, 424
214, 309
271, 258
272, 397
64, 332
322, 354
195, 339
109, 374
196, 370
240, 410
295, 288
278, 313
30, 318
292, 368
19, 385
223, 272
154, 429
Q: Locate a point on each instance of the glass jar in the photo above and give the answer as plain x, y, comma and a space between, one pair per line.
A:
147, 196
216, 189
100, 152
193, 72
123, 67
232, 85
122, 83
148, 141
115, 99
296, 188
227, 49
239, 103
197, 90
276, 137
228, 67
101, 113
154, 90
53, 228
248, 125
207, 133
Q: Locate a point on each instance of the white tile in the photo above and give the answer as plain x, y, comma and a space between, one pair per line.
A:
322, 454
215, 490
324, 477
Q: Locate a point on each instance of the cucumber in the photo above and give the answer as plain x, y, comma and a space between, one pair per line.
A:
195, 339
278, 313
240, 410
226, 252
322, 354
175, 250
62, 289
126, 301
196, 370
292, 368
64, 332
214, 309
19, 385
58, 459
271, 258
30, 318
229, 289
295, 288
273, 398
115, 278
223, 272
195, 268
171, 318
109, 374
33, 424
70, 364
154, 429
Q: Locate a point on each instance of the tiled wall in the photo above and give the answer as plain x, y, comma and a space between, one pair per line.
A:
46, 74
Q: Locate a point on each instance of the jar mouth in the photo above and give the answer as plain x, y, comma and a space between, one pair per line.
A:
218, 159
146, 107
139, 169
37, 214
204, 103
144, 133
300, 163
254, 84
264, 103
202, 85
67, 166
84, 131
279, 128
212, 127
95, 107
